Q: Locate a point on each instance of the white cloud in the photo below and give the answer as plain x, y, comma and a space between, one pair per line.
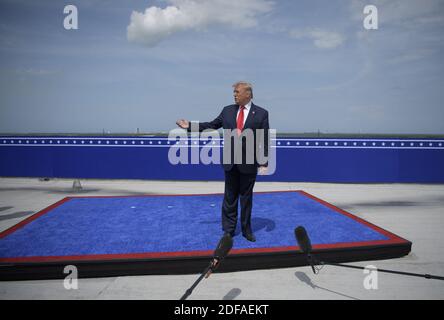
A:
321, 38
156, 24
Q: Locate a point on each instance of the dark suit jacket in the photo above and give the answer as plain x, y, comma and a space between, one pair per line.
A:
257, 119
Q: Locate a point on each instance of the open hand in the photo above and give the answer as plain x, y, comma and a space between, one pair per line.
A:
184, 124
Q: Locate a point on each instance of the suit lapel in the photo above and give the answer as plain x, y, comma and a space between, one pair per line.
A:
234, 117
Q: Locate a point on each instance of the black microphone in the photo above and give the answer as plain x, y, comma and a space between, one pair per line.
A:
303, 239
223, 247
305, 244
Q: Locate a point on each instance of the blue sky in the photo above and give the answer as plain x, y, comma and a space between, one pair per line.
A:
312, 64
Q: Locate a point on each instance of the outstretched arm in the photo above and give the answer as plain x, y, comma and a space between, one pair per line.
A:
215, 124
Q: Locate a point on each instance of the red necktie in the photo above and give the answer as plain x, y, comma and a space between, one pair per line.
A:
240, 120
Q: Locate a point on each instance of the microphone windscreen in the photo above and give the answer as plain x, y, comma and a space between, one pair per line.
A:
224, 246
303, 239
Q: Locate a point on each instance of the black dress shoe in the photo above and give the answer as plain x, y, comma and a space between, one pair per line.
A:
250, 237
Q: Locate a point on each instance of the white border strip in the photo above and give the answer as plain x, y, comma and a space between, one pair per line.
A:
282, 143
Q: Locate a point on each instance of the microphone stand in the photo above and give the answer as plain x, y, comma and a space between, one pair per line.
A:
311, 261
426, 276
206, 273
305, 244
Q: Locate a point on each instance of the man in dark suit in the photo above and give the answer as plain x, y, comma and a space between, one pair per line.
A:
248, 123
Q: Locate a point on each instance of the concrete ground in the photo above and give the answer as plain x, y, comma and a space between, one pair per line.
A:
412, 211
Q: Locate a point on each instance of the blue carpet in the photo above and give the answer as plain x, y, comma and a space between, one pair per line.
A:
125, 225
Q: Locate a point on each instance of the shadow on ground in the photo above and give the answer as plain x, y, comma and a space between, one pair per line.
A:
15, 215
426, 202
302, 276
232, 294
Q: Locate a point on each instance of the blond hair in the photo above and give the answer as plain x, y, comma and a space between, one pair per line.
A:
248, 86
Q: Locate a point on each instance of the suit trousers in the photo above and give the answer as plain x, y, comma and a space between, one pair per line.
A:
238, 186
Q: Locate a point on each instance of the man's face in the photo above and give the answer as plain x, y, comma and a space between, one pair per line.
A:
241, 95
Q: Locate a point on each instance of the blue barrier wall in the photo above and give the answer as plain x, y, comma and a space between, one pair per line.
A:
303, 160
